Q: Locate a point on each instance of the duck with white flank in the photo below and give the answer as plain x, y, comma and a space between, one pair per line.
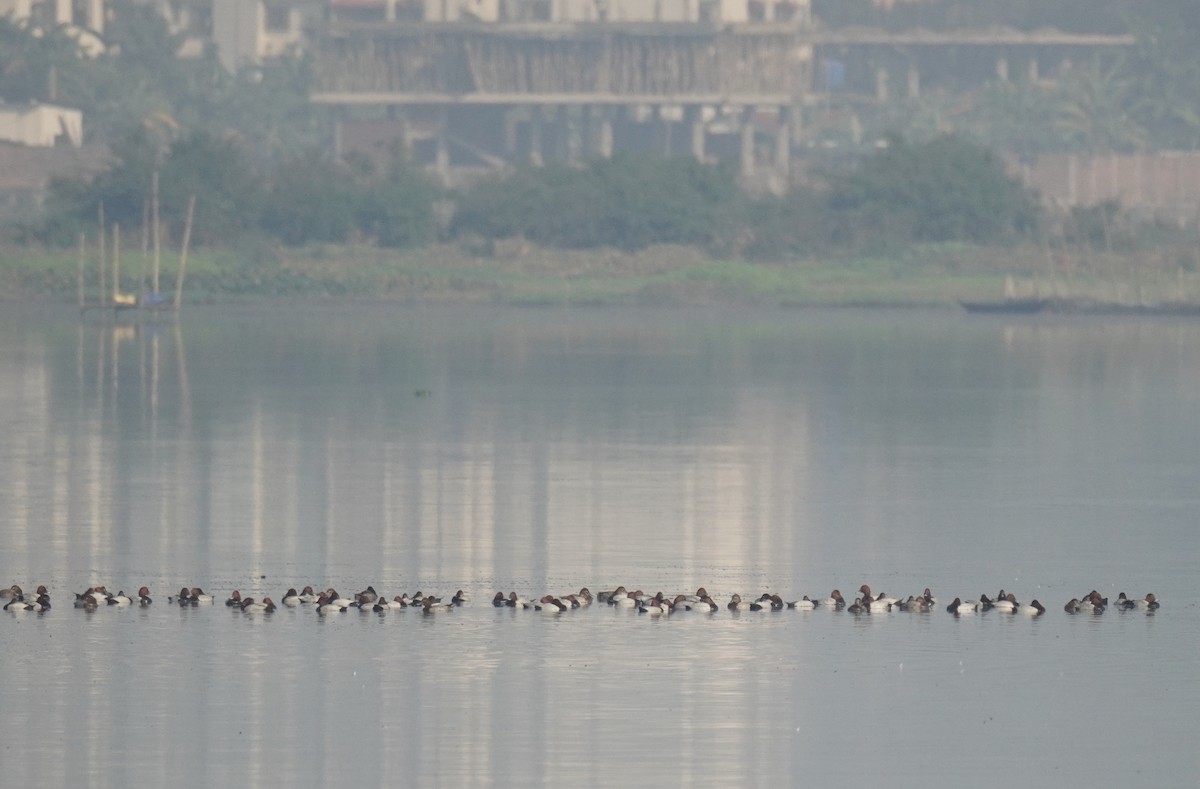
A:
959, 607
835, 600
881, 598
249, 606
1034, 608
1147, 603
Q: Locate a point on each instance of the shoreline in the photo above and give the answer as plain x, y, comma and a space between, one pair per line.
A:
949, 276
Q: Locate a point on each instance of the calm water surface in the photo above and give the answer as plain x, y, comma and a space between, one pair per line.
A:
543, 450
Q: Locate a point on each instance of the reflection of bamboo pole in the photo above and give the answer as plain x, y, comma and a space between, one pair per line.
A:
183, 254
155, 230
153, 389
103, 276
79, 362
116, 363
141, 336
185, 389
79, 270
116, 255
100, 357
141, 288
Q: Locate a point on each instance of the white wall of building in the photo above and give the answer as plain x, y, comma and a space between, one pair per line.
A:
41, 125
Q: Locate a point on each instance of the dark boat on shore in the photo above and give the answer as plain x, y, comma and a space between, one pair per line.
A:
1029, 306
1007, 306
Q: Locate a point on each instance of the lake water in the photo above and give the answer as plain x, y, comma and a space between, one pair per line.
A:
545, 450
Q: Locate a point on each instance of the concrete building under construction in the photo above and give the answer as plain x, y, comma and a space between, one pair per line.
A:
480, 82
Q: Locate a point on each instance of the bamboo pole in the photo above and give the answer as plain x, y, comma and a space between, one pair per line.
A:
183, 254
154, 228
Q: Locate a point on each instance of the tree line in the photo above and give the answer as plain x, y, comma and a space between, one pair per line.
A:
250, 147
943, 189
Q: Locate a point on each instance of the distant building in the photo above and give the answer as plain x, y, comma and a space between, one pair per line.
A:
41, 125
83, 19
243, 32
567, 11
465, 84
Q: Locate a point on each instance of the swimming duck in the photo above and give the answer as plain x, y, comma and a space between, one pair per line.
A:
1149, 602
875, 598
857, 607
198, 597
835, 600
337, 599
879, 605
235, 600
119, 599
1034, 608
251, 607
607, 596
960, 607
549, 604
626, 599
459, 598
1006, 604
12, 593
654, 608
307, 595
291, 598
144, 596
326, 606
1093, 603
515, 601
736, 603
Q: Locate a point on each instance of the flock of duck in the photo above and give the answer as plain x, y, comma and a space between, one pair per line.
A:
330, 602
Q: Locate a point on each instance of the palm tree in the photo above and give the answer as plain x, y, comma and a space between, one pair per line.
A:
1096, 104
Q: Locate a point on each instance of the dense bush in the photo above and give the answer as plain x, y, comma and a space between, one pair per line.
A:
946, 189
311, 199
629, 202
397, 209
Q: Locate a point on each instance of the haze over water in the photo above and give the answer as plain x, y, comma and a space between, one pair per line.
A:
545, 450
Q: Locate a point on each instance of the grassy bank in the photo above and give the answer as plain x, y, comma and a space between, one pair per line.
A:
515, 272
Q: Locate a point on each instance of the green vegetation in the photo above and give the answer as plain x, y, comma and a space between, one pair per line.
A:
630, 202
249, 148
946, 189
922, 275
